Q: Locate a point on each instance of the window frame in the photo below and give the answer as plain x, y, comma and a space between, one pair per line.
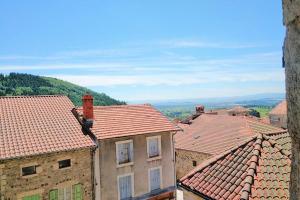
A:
159, 148
117, 153
149, 178
132, 183
68, 167
35, 165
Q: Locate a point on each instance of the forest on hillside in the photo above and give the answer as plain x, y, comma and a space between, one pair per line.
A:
16, 84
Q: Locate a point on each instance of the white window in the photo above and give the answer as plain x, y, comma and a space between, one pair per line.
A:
65, 193
155, 178
154, 146
124, 150
125, 186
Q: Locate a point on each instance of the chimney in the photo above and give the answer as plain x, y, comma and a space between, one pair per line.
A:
199, 109
88, 110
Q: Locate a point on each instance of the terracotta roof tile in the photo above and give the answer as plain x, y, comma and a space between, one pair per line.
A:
125, 120
280, 109
213, 134
34, 125
261, 174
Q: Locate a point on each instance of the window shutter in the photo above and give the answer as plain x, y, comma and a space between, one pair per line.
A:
125, 188
153, 147
154, 179
77, 192
53, 195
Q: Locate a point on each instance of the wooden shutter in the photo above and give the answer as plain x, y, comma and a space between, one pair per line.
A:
155, 179
125, 188
32, 197
153, 147
125, 152
77, 192
53, 195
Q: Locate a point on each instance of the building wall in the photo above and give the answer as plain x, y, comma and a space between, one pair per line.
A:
109, 171
184, 161
48, 177
278, 120
187, 195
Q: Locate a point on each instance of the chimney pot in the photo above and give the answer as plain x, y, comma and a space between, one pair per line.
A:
88, 107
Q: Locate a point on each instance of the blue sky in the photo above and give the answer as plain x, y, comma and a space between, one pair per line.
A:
148, 49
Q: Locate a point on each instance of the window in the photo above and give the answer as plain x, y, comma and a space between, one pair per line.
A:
125, 185
68, 193
30, 170
155, 178
64, 163
194, 163
154, 146
32, 197
124, 152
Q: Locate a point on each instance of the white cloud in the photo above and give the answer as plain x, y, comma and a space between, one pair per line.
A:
172, 79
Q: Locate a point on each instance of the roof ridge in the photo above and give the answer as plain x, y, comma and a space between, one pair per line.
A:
249, 180
214, 159
277, 146
32, 96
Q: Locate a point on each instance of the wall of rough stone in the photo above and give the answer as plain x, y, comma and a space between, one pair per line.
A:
48, 177
291, 18
184, 161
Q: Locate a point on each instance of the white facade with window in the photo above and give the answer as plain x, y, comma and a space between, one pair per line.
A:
154, 147
124, 151
125, 186
155, 178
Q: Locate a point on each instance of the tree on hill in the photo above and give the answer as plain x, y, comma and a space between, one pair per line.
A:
16, 84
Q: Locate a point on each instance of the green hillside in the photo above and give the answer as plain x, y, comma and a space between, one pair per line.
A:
16, 84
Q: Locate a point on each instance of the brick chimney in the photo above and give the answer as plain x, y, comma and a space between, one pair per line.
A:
87, 105
199, 109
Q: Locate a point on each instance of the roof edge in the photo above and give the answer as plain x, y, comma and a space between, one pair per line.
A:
214, 159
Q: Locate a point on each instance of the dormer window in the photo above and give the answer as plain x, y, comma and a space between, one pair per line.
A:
154, 147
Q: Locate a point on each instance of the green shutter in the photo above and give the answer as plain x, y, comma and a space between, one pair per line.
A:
53, 195
77, 192
33, 197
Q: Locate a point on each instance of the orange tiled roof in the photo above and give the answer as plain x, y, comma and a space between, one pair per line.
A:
213, 134
256, 169
125, 120
31, 125
280, 109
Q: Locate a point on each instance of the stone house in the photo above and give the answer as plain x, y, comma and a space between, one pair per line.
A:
206, 135
258, 168
135, 157
43, 152
278, 115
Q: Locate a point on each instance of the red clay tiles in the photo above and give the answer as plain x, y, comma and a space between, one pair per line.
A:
126, 120
213, 134
38, 124
280, 109
261, 173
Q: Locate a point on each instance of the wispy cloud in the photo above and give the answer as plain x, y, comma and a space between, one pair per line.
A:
195, 43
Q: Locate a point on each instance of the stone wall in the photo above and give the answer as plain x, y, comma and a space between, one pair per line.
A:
184, 161
14, 186
291, 17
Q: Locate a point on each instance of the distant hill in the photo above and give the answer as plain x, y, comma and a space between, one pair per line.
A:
16, 84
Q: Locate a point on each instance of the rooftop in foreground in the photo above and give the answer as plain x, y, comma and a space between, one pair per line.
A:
32, 125
258, 168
